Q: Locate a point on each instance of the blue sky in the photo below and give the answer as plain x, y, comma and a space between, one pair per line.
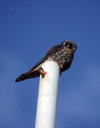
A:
27, 30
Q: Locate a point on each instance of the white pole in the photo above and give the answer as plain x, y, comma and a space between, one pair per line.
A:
47, 97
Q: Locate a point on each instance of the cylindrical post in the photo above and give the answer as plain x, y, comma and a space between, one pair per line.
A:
47, 97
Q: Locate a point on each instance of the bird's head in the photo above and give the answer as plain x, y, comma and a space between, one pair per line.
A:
70, 44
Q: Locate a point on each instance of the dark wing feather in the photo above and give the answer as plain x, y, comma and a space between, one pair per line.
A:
54, 49
51, 51
35, 72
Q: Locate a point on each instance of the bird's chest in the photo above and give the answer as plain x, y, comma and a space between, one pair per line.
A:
62, 56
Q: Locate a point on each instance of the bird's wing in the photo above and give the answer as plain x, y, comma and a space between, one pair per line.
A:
54, 49
34, 72
51, 51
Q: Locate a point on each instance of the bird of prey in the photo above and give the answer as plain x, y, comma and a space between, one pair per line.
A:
62, 54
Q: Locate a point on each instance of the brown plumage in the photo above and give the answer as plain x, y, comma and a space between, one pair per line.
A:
62, 54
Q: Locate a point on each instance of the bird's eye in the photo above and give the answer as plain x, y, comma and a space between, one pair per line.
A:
69, 45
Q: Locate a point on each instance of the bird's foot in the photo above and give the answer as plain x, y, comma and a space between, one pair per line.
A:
42, 72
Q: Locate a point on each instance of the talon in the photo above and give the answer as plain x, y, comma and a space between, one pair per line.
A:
42, 72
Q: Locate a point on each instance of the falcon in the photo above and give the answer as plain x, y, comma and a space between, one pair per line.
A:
62, 54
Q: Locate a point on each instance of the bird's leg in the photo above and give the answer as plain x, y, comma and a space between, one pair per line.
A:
61, 66
42, 72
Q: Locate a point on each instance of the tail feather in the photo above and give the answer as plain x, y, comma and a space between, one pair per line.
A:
28, 75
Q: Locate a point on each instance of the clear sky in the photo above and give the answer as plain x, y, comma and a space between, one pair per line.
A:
27, 30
